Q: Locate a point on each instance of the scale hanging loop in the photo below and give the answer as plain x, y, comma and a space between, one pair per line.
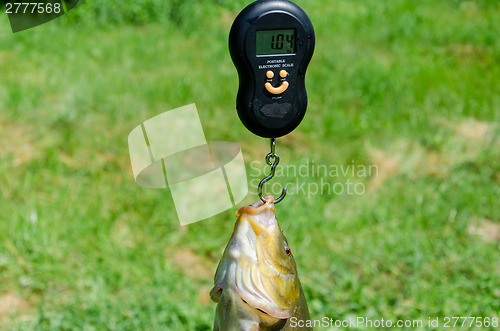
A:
272, 159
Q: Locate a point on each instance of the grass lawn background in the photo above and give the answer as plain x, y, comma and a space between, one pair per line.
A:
409, 86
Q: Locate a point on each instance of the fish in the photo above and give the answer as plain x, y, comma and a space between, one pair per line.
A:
256, 285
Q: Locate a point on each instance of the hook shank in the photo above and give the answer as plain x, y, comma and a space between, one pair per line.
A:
272, 159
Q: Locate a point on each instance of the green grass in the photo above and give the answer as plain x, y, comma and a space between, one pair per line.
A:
409, 86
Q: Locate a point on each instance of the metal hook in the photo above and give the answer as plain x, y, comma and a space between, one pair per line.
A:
273, 160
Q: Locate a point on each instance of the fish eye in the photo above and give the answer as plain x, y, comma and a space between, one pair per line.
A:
287, 250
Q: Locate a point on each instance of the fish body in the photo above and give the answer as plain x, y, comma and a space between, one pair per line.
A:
256, 283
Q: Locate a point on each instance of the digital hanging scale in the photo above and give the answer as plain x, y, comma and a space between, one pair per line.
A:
271, 43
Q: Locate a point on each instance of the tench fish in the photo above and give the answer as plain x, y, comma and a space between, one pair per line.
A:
256, 282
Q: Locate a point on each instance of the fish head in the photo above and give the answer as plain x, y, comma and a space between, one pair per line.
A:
257, 265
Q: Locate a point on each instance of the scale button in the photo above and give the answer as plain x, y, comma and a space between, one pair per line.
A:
283, 74
270, 74
277, 90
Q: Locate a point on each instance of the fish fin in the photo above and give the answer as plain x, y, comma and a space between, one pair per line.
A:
216, 293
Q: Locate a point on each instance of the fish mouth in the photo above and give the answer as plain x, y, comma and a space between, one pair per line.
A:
258, 207
262, 214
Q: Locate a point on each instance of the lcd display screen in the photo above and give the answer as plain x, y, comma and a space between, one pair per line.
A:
272, 42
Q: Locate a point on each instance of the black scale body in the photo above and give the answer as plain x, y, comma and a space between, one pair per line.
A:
272, 98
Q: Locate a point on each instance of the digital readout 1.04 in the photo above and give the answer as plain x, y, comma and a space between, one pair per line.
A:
270, 42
